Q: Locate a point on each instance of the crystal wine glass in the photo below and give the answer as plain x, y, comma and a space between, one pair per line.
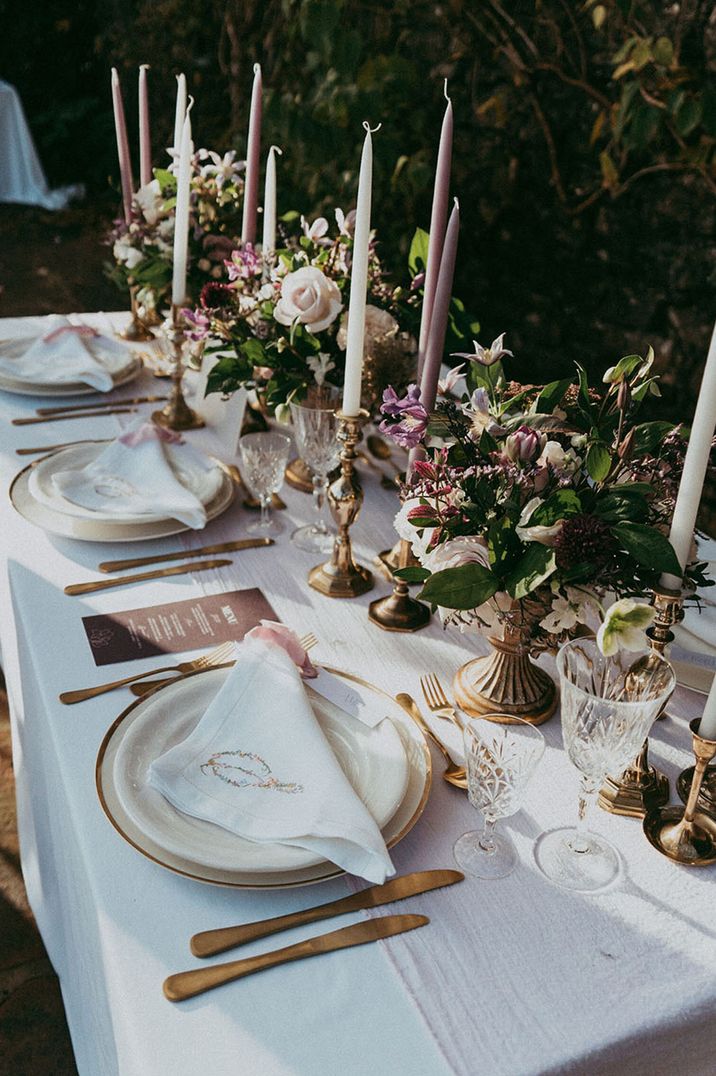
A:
315, 426
608, 707
264, 456
500, 759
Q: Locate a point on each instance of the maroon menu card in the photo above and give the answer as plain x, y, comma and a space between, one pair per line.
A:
175, 627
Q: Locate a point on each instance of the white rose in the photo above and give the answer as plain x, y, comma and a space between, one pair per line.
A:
309, 297
458, 551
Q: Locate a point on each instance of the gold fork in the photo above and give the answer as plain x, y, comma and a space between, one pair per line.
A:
437, 700
306, 641
214, 657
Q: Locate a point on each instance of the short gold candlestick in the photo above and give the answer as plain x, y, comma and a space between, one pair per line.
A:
176, 413
137, 331
399, 612
642, 787
686, 834
341, 577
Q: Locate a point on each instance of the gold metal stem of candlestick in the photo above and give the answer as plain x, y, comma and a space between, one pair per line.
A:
176, 413
137, 331
686, 834
341, 577
642, 788
399, 612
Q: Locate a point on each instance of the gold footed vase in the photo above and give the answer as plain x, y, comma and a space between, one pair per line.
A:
506, 684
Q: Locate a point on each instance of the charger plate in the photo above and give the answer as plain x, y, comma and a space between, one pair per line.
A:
89, 530
20, 387
121, 803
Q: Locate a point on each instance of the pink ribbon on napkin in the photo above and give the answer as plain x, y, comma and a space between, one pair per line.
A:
150, 432
269, 631
76, 330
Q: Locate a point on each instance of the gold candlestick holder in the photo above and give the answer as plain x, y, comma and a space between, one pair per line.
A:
341, 577
176, 413
399, 612
137, 331
642, 788
686, 834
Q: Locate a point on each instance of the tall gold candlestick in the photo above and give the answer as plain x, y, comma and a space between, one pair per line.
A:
137, 331
686, 834
176, 413
642, 787
341, 577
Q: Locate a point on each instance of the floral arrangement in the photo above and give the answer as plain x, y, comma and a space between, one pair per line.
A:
143, 248
536, 505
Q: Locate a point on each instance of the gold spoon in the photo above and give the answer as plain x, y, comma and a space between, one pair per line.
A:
382, 451
453, 774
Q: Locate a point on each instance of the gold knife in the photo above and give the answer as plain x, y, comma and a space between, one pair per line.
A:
99, 403
37, 449
187, 984
211, 942
62, 418
160, 558
158, 573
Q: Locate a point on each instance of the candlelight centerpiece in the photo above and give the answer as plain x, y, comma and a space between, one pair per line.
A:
530, 506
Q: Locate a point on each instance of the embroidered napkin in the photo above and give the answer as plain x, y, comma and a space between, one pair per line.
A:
147, 471
64, 354
258, 764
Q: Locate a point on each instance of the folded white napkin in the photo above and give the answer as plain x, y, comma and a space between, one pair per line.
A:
258, 764
66, 354
697, 631
146, 471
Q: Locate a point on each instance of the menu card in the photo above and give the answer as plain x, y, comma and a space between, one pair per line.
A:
193, 624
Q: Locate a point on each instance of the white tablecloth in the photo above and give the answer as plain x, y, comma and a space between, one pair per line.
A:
510, 977
22, 179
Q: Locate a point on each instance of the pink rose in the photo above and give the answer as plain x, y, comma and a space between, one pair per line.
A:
309, 297
269, 631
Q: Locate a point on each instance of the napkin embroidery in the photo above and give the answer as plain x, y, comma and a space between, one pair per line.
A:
261, 777
112, 485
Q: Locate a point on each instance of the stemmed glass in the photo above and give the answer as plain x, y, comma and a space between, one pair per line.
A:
264, 456
314, 426
500, 759
608, 707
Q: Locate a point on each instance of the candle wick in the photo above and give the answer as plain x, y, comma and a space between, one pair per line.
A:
456, 203
189, 106
447, 96
257, 69
276, 149
371, 130
144, 67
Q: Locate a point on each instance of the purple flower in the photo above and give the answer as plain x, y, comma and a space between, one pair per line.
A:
198, 324
393, 405
523, 445
417, 281
244, 263
410, 430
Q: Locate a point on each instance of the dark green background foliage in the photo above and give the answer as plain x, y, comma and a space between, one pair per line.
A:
584, 141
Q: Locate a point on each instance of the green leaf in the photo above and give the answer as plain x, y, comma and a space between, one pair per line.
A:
559, 505
254, 352
412, 574
689, 115
648, 436
418, 255
647, 546
623, 369
610, 175
533, 568
465, 587
552, 395
626, 504
663, 51
599, 461
584, 399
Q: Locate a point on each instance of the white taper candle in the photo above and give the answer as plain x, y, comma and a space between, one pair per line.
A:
125, 164
269, 231
707, 726
359, 281
181, 219
179, 112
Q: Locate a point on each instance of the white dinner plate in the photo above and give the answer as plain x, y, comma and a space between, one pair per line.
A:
412, 803
373, 760
89, 530
71, 388
204, 485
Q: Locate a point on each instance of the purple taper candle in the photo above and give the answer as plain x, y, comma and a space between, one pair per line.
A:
253, 152
145, 140
125, 164
438, 218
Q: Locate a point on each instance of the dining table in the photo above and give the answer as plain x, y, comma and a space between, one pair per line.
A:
510, 977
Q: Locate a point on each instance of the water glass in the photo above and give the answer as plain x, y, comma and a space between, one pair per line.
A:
264, 456
315, 426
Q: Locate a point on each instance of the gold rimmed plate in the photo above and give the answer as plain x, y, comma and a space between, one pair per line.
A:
19, 387
127, 820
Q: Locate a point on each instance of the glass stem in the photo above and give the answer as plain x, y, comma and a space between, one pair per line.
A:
486, 839
320, 485
266, 511
588, 790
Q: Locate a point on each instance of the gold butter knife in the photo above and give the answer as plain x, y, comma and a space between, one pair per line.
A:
62, 418
211, 942
158, 573
99, 403
160, 558
36, 450
187, 984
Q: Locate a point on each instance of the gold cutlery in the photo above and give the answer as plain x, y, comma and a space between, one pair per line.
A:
453, 774
143, 688
99, 404
160, 558
436, 699
157, 573
63, 418
212, 942
187, 984
37, 449
206, 661
382, 451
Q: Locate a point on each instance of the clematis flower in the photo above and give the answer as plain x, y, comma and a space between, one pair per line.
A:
315, 231
413, 423
624, 626
393, 405
198, 324
346, 222
448, 383
486, 356
244, 263
224, 169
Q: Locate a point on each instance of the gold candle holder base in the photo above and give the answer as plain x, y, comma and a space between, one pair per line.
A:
399, 612
643, 788
341, 577
137, 332
389, 560
299, 475
706, 802
176, 413
685, 834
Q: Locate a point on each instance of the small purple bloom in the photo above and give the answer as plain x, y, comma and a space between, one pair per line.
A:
244, 263
198, 324
393, 405
410, 430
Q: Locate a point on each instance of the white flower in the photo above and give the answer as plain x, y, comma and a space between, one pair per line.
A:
568, 610
149, 200
554, 455
477, 410
308, 297
124, 252
419, 540
486, 356
448, 383
624, 626
346, 221
536, 533
319, 365
224, 169
314, 231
